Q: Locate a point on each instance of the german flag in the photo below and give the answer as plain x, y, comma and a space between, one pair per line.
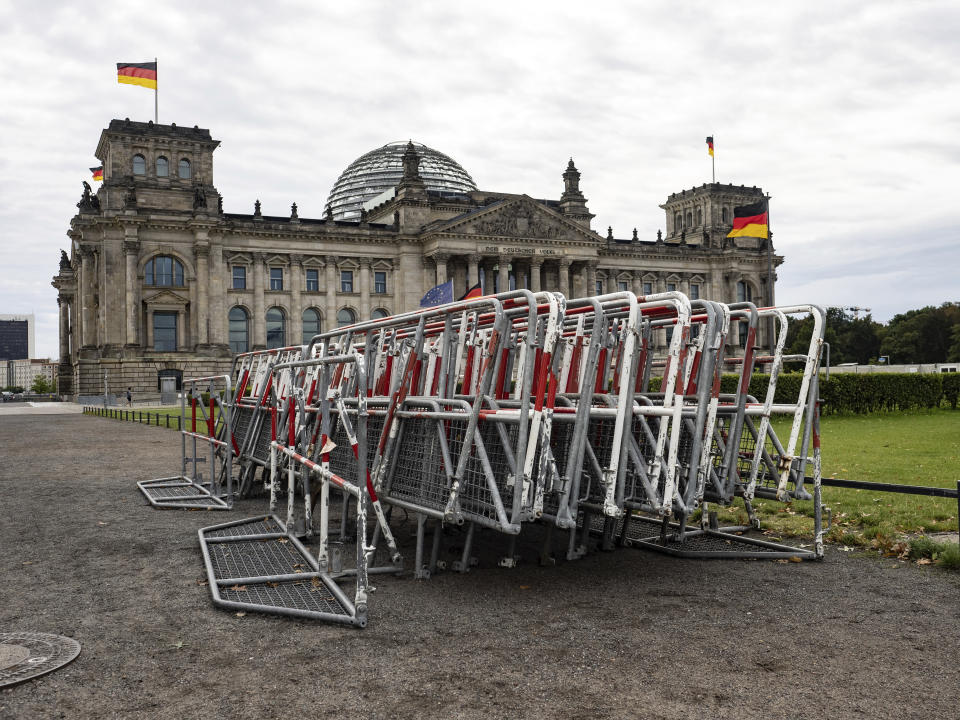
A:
750, 220
473, 293
97, 173
710, 145
144, 74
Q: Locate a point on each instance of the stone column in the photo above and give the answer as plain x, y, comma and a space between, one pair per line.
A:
503, 273
201, 252
520, 277
473, 270
88, 319
64, 329
637, 284
590, 270
441, 259
131, 300
218, 312
330, 280
295, 333
565, 277
364, 288
259, 311
536, 265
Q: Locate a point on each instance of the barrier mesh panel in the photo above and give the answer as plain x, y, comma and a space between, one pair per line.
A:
309, 594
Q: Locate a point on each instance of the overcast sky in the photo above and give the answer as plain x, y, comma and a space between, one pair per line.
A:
847, 113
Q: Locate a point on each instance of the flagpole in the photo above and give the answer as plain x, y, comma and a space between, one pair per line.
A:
713, 160
770, 297
156, 92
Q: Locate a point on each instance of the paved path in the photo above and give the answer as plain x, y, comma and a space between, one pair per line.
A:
624, 634
40, 408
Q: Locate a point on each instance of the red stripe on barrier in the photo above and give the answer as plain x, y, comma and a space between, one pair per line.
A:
273, 423
573, 379
748, 361
601, 371
616, 368
468, 373
692, 385
193, 414
543, 365
499, 392
243, 384
641, 365
290, 434
210, 422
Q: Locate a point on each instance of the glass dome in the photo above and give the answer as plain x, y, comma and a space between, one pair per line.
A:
381, 170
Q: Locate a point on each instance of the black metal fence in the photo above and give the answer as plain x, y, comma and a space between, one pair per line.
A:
139, 416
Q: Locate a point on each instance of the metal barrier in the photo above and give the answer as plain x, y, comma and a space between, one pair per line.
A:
500, 413
213, 449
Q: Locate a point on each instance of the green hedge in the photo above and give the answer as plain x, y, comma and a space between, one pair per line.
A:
859, 393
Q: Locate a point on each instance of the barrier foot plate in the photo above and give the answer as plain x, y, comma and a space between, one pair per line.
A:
256, 565
181, 492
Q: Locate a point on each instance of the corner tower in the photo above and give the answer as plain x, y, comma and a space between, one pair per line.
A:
156, 166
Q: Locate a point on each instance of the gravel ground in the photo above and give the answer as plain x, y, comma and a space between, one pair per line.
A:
622, 634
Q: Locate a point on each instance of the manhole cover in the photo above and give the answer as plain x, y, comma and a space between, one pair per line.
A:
26, 655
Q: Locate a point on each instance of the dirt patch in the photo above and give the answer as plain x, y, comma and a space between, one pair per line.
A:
622, 634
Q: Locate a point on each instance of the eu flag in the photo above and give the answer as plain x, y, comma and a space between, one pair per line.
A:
439, 295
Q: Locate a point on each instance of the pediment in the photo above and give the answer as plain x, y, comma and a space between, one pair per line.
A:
165, 297
239, 258
521, 217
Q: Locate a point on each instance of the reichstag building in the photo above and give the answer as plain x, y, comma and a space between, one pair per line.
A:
160, 284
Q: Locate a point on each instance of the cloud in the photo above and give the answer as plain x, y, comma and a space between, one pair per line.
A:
845, 112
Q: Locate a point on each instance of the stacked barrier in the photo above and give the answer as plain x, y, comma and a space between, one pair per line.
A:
598, 416
189, 490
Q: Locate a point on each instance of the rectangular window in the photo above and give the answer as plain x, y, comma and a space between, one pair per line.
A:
163, 269
165, 331
276, 278
313, 280
599, 287
694, 291
621, 286
346, 281
671, 287
239, 278
379, 282
648, 288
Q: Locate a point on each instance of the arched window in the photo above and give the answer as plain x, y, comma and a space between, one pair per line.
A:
345, 316
163, 271
239, 330
276, 328
311, 324
379, 314
163, 167
744, 292
699, 217
723, 215
689, 219
139, 165
184, 169
677, 222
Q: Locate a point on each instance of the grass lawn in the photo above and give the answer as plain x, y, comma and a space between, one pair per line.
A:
910, 448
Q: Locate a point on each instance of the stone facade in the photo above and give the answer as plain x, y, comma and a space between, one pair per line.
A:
156, 267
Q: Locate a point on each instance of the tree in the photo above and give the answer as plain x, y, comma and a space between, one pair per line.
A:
922, 336
41, 386
850, 339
